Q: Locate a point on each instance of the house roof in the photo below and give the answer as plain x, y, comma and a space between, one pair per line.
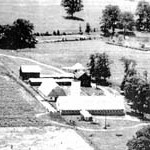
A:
78, 74
90, 103
50, 88
77, 66
30, 69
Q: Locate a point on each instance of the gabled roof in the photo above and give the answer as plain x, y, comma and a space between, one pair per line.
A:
78, 74
78, 66
30, 69
50, 88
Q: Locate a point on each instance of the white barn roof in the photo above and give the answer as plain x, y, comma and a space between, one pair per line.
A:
90, 103
30, 68
50, 88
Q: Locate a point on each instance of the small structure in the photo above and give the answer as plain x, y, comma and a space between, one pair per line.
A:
95, 105
29, 71
51, 90
74, 68
85, 115
84, 78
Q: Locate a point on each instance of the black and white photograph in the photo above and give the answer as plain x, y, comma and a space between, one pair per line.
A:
74, 74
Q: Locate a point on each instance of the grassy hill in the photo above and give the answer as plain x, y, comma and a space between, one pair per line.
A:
48, 15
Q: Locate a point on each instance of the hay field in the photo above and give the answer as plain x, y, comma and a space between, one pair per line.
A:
17, 107
69, 53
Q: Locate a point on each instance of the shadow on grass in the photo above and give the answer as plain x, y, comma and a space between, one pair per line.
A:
139, 116
73, 18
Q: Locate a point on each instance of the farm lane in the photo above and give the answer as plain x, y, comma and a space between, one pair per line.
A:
34, 61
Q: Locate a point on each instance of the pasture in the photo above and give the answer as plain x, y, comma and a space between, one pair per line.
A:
48, 15
68, 53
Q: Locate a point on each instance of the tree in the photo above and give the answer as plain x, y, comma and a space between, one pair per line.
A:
137, 91
143, 14
18, 35
126, 22
110, 18
129, 70
141, 141
99, 67
72, 6
88, 28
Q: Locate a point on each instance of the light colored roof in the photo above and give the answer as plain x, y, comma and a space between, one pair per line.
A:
35, 80
90, 103
30, 68
85, 113
77, 66
64, 75
51, 88
78, 74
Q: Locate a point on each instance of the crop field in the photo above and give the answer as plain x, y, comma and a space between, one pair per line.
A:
16, 105
68, 53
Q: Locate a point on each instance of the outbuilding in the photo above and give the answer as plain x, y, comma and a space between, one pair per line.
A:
95, 105
84, 78
85, 115
51, 90
29, 71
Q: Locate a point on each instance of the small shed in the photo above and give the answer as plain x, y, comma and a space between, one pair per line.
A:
84, 78
85, 115
29, 71
51, 90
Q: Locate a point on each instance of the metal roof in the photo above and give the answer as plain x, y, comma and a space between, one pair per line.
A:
30, 69
50, 88
90, 103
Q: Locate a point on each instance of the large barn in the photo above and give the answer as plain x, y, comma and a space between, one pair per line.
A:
95, 105
51, 90
29, 71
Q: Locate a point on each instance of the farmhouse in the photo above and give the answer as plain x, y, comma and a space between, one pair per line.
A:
95, 105
29, 71
76, 67
84, 78
51, 90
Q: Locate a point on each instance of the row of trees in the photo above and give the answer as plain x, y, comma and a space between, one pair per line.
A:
136, 87
113, 18
18, 35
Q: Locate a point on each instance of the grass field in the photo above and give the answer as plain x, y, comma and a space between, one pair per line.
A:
17, 107
68, 53
48, 15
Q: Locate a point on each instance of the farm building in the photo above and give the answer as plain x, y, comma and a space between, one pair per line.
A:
85, 115
60, 82
58, 76
29, 71
51, 90
95, 105
76, 67
84, 78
